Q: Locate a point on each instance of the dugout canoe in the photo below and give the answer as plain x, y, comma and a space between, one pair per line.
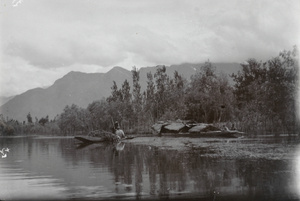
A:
91, 139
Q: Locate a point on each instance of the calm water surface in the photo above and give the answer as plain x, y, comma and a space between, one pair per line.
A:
58, 168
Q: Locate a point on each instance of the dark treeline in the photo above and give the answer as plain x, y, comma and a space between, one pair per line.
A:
262, 100
37, 126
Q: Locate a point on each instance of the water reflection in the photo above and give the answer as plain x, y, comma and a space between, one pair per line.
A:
60, 169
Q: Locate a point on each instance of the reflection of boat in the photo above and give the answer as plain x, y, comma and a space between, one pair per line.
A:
91, 139
82, 145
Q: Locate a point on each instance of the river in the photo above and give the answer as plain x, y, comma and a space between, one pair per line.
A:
58, 168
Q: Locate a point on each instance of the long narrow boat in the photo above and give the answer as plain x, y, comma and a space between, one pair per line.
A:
91, 139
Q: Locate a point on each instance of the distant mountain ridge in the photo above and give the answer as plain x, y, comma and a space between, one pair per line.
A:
5, 99
83, 88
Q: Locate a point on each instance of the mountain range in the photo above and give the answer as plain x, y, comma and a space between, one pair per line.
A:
83, 88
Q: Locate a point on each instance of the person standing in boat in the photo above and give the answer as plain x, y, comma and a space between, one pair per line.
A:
116, 126
232, 127
119, 132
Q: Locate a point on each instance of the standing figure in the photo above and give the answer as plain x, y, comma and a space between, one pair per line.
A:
232, 127
116, 125
119, 132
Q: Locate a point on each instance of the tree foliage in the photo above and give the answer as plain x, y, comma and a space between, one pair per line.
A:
266, 93
29, 118
209, 96
262, 100
73, 119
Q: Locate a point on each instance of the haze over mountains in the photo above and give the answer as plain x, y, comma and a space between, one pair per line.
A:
5, 99
84, 88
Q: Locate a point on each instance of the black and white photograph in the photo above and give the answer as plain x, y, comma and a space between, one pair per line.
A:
149, 100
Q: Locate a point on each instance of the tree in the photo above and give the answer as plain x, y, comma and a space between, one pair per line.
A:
253, 74
161, 79
265, 93
120, 102
137, 96
43, 120
151, 105
175, 91
5, 128
281, 89
72, 119
98, 116
126, 106
208, 96
116, 95
125, 92
29, 118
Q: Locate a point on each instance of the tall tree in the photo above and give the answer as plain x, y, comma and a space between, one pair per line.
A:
72, 119
281, 89
29, 118
208, 95
116, 100
151, 105
126, 106
175, 91
253, 74
161, 79
125, 92
98, 117
266, 91
136, 92
116, 94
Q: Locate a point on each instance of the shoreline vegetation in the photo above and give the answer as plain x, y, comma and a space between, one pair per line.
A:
262, 101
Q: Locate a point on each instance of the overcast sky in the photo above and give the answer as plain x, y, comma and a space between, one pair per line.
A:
42, 40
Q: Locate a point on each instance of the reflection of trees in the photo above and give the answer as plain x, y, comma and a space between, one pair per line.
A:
170, 171
151, 162
139, 166
206, 172
163, 180
265, 177
169, 167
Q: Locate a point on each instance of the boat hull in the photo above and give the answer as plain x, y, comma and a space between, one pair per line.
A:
90, 139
